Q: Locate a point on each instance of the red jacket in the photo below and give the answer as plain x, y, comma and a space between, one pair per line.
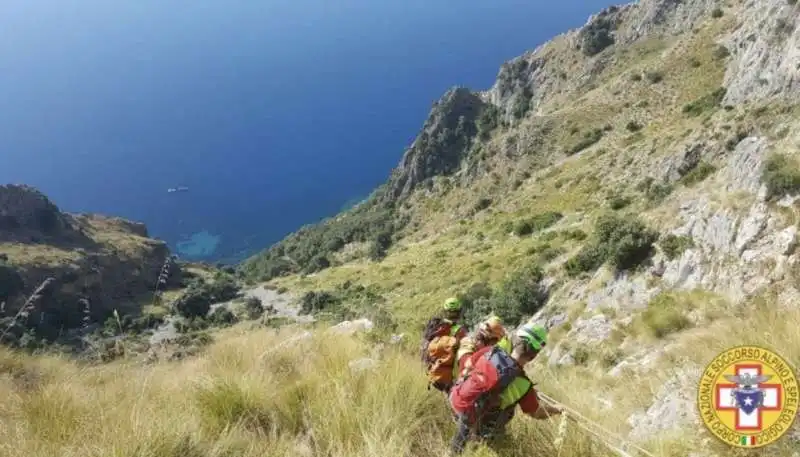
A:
482, 377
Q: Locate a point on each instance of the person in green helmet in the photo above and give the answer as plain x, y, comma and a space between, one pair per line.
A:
440, 341
485, 400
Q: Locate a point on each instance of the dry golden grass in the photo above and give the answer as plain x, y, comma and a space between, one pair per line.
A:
37, 254
304, 400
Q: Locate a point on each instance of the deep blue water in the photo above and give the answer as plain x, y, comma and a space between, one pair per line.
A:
275, 113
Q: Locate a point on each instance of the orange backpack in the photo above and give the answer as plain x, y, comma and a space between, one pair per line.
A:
442, 354
439, 351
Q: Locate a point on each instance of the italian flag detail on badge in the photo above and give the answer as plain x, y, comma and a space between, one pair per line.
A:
747, 441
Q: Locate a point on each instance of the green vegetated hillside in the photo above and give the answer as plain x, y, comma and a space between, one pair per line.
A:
632, 184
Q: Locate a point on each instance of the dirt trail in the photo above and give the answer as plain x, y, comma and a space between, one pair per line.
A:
280, 303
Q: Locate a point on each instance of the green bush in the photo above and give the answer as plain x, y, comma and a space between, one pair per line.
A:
577, 235
589, 138
698, 174
716, 13
597, 36
633, 126
309, 249
380, 245
664, 316
721, 52
625, 242
628, 242
673, 245
222, 316
589, 258
618, 202
781, 176
520, 295
316, 301
537, 223
488, 121
705, 103
654, 192
253, 307
654, 76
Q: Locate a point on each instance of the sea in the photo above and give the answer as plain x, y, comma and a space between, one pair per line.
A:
263, 115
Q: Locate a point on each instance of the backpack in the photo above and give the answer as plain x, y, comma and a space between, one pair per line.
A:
442, 353
507, 369
438, 352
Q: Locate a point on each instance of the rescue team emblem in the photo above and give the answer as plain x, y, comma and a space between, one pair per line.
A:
748, 396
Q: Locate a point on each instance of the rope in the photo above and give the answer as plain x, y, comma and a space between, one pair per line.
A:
599, 432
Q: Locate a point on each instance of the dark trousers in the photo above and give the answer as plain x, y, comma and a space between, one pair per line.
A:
490, 427
463, 432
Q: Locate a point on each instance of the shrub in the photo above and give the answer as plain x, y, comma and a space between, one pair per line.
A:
313, 301
589, 138
523, 228
721, 52
222, 316
597, 36
581, 355
253, 307
781, 176
628, 241
673, 245
698, 174
537, 223
654, 76
589, 258
636, 76
193, 303
380, 245
309, 249
716, 13
197, 300
705, 103
488, 120
618, 202
633, 126
625, 242
577, 234
520, 295
664, 316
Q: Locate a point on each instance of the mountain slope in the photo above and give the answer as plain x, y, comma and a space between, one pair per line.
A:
680, 118
632, 184
96, 264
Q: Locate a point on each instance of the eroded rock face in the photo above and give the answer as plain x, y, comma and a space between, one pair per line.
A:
28, 215
765, 54
673, 408
736, 252
441, 145
625, 292
97, 263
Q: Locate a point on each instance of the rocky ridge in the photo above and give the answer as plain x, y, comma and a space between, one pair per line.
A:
98, 264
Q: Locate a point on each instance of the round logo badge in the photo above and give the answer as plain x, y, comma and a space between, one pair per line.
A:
748, 396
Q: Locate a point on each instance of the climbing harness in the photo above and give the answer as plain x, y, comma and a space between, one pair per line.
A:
601, 434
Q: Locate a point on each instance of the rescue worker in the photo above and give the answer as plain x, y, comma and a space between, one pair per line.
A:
439, 346
486, 398
488, 333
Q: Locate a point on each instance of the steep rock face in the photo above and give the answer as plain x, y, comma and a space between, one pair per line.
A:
26, 214
98, 263
552, 68
441, 145
766, 53
736, 252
